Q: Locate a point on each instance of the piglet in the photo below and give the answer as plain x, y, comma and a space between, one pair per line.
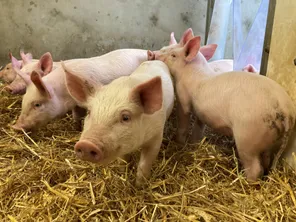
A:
8, 74
125, 115
47, 98
219, 66
44, 66
254, 109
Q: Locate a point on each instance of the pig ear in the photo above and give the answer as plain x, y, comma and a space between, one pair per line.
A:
149, 95
45, 63
38, 82
191, 48
25, 59
150, 55
187, 35
15, 63
208, 50
25, 77
173, 40
78, 88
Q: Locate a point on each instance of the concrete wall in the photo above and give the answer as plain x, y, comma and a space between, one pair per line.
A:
87, 28
76, 28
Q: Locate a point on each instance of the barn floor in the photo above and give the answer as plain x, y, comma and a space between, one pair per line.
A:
41, 180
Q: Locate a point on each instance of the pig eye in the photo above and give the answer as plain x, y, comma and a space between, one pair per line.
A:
37, 105
173, 55
7, 68
125, 117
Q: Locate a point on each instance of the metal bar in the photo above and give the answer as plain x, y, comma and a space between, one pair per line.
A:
267, 38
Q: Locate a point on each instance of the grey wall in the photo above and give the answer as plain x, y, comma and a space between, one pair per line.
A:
85, 28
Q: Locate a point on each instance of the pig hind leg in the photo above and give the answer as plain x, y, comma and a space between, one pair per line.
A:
251, 163
250, 149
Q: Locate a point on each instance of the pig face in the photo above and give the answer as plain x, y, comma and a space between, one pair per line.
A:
8, 74
178, 58
114, 124
39, 105
44, 66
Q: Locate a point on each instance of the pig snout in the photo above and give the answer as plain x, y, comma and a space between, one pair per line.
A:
17, 127
15, 89
8, 89
88, 151
150, 55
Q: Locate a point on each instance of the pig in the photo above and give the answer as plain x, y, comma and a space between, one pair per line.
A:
44, 66
47, 98
8, 74
125, 115
218, 66
252, 108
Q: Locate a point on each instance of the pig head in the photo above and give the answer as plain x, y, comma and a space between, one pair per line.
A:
43, 66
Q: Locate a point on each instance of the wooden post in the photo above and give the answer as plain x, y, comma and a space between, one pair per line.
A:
281, 67
268, 32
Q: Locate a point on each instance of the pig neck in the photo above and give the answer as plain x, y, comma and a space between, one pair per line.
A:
195, 73
57, 82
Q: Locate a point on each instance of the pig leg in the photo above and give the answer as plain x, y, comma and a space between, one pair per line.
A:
197, 131
266, 160
78, 114
183, 123
183, 114
149, 154
250, 160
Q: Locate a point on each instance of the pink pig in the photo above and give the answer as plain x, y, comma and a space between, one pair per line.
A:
254, 109
8, 74
47, 97
219, 66
44, 66
125, 115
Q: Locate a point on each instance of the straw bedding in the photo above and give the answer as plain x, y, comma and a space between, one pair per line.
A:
41, 180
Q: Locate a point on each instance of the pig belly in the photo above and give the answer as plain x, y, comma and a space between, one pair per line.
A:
217, 123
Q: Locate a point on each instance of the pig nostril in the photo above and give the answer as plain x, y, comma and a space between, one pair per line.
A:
78, 151
93, 153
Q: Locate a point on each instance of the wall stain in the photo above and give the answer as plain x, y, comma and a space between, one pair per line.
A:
185, 17
29, 9
154, 20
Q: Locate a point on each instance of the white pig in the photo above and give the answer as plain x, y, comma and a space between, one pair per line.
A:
125, 115
254, 109
47, 98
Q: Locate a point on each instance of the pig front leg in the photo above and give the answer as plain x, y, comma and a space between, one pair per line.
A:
78, 114
148, 156
183, 114
197, 131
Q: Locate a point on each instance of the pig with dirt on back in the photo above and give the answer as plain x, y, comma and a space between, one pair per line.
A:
125, 115
252, 108
217, 67
47, 97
